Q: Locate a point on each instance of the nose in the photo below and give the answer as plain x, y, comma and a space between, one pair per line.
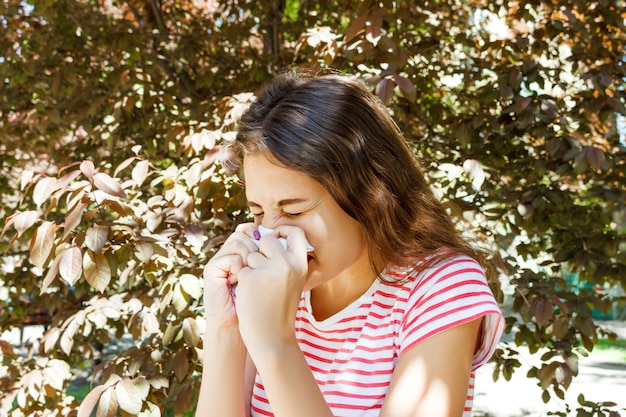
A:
272, 222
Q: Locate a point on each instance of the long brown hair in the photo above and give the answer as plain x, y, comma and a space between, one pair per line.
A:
334, 130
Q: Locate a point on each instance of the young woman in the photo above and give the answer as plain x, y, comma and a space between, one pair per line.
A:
390, 313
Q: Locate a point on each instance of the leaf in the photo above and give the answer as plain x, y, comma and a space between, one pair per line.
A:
41, 243
150, 323
66, 179
26, 177
178, 299
194, 235
43, 190
24, 220
131, 394
87, 168
107, 406
181, 366
193, 175
90, 401
144, 251
356, 26
595, 157
192, 285
153, 410
406, 87
384, 90
55, 373
70, 266
96, 237
74, 217
183, 401
107, 184
51, 274
543, 312
191, 331
123, 165
140, 172
96, 270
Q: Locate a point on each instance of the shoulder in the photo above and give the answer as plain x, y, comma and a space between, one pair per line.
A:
445, 271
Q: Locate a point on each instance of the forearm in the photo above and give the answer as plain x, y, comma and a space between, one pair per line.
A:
289, 382
222, 391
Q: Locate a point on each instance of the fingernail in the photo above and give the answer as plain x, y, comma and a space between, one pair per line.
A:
256, 235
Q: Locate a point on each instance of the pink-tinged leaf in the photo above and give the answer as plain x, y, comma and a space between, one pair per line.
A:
107, 406
96, 270
107, 184
8, 223
131, 394
41, 243
140, 172
90, 401
193, 174
73, 217
153, 220
123, 165
87, 168
66, 179
194, 235
68, 166
384, 90
70, 265
52, 273
406, 87
96, 237
595, 157
26, 177
43, 189
24, 220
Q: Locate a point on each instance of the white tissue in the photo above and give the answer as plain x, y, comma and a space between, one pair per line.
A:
266, 231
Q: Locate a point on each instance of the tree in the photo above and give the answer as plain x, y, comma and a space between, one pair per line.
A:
112, 119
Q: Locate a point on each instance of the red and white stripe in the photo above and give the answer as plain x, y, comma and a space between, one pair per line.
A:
353, 354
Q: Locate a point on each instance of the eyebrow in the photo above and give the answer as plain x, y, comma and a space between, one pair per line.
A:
281, 203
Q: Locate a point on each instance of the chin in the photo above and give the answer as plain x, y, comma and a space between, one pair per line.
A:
312, 281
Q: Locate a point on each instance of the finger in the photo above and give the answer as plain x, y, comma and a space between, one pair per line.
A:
224, 267
256, 260
237, 243
296, 240
247, 229
270, 247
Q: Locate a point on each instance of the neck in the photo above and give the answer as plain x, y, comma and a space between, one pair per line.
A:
329, 298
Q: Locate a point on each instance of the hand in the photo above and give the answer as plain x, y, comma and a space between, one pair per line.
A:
221, 273
269, 290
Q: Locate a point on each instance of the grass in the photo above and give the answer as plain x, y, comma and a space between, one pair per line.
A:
78, 391
609, 351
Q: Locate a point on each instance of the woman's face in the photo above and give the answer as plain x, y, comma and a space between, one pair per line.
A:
280, 196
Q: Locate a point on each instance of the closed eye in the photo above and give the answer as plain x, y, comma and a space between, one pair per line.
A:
292, 215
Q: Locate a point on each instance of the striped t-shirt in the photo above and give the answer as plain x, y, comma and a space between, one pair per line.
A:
353, 353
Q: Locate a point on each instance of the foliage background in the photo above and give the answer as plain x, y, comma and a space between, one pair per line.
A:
112, 115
